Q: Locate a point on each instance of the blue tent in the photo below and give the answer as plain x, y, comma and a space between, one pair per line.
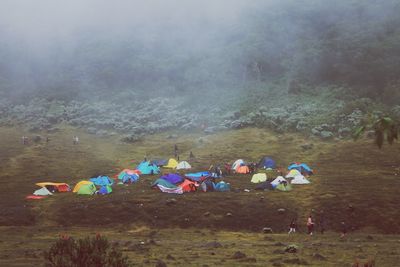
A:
145, 167
222, 187
102, 180
104, 190
198, 176
267, 163
128, 178
159, 162
301, 167
172, 178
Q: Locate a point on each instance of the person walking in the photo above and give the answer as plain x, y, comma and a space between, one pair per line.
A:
310, 225
292, 227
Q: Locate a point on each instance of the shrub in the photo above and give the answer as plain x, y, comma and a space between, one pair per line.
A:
87, 252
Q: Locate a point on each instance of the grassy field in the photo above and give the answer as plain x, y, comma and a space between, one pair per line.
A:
354, 182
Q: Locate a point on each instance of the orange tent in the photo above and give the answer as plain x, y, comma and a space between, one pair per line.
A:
188, 186
61, 187
242, 169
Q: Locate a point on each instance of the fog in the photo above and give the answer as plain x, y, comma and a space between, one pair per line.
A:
81, 48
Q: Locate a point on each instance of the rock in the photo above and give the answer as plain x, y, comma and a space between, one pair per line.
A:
206, 214
238, 255
291, 249
346, 131
267, 230
307, 146
326, 135
160, 263
315, 131
228, 214
319, 257
281, 210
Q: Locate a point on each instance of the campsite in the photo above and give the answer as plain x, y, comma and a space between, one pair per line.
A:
135, 212
199, 133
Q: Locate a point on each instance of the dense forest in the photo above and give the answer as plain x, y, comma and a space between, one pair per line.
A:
304, 65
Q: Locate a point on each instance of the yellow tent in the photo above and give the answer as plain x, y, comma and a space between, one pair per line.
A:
258, 178
172, 163
78, 185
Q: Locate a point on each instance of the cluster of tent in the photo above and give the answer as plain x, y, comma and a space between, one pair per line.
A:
174, 183
297, 173
180, 183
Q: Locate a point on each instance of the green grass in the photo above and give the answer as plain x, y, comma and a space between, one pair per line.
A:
347, 173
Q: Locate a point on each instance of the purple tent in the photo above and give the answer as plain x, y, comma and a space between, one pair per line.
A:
173, 178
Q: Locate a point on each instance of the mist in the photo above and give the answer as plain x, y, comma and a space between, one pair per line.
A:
80, 49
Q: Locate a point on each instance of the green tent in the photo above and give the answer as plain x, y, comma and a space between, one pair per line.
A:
87, 189
283, 187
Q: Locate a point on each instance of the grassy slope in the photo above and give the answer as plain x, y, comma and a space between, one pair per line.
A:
346, 173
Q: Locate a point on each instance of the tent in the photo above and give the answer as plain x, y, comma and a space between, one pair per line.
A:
145, 167
42, 192
222, 187
243, 169
55, 187
164, 183
128, 178
278, 180
86, 189
173, 178
300, 179
267, 163
102, 180
183, 165
198, 176
104, 190
207, 185
293, 173
159, 162
258, 178
176, 190
301, 167
264, 186
188, 186
237, 163
172, 163
82, 183
283, 187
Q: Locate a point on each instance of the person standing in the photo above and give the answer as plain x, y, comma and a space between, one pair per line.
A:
292, 227
310, 225
176, 151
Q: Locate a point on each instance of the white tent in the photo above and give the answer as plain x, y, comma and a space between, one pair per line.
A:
278, 180
183, 165
258, 178
42, 192
237, 164
300, 179
293, 173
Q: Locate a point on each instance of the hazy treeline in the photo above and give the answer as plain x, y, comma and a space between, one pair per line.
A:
79, 49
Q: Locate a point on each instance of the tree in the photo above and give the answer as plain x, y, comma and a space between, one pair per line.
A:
384, 128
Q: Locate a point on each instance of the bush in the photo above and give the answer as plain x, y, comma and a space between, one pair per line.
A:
87, 252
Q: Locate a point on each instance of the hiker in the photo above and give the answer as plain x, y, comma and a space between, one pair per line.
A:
310, 225
24, 140
191, 156
292, 227
176, 150
218, 171
343, 230
75, 140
